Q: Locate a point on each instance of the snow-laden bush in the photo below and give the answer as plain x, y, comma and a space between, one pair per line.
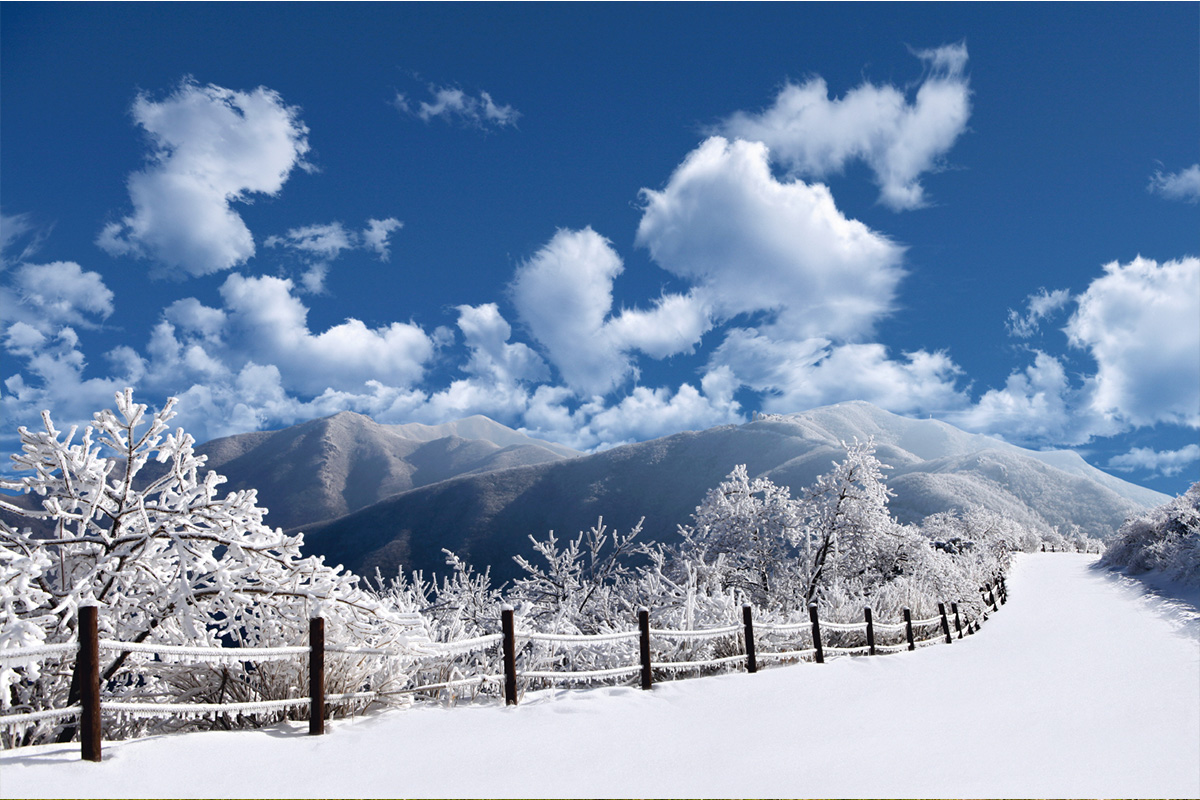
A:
169, 560
1165, 540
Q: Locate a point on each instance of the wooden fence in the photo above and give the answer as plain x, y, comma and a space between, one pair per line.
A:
89, 645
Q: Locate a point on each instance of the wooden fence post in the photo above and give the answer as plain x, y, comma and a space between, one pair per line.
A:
748, 622
945, 623
1003, 590
908, 629
870, 632
644, 629
316, 676
510, 655
957, 620
816, 633
992, 597
89, 659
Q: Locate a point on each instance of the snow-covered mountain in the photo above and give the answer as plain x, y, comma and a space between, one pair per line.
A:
332, 466
487, 517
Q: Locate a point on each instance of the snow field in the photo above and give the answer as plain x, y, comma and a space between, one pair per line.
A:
1082, 685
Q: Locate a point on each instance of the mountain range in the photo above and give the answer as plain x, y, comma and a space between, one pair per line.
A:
486, 515
391, 497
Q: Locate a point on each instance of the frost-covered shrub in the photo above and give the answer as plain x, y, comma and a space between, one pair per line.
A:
169, 560
1165, 539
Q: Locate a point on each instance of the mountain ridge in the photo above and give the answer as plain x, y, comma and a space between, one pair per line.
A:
487, 519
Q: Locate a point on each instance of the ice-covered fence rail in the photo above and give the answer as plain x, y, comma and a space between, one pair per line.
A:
843, 626
703, 633
580, 675
580, 638
467, 645
10, 655
208, 653
678, 666
28, 717
783, 627
930, 621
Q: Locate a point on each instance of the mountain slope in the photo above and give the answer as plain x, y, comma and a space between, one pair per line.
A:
332, 466
487, 518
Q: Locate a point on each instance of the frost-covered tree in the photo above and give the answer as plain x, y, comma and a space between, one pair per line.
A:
848, 531
167, 557
744, 532
1165, 539
579, 588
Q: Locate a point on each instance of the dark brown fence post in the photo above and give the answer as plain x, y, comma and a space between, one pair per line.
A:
316, 676
644, 629
870, 632
945, 623
748, 622
816, 633
89, 662
908, 629
1003, 590
992, 597
510, 655
957, 620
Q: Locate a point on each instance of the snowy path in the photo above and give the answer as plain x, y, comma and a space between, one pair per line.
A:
1104, 701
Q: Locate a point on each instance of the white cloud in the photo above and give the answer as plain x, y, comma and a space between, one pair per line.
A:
1037, 404
492, 355
13, 229
211, 147
456, 106
563, 294
1041, 306
1141, 323
814, 136
319, 245
798, 375
62, 292
269, 324
750, 243
377, 235
1162, 462
1183, 185
325, 242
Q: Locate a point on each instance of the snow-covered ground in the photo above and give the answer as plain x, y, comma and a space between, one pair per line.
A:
1084, 685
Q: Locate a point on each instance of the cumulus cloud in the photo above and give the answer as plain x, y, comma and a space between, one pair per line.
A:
211, 147
1036, 405
492, 356
457, 107
1139, 322
1183, 185
813, 136
564, 296
750, 243
798, 375
1039, 306
1162, 462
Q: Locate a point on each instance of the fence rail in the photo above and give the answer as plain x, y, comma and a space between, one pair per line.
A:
89, 646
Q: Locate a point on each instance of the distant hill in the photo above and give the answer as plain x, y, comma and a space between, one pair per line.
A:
487, 517
330, 467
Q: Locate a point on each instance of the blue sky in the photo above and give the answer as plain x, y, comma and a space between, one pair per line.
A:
609, 223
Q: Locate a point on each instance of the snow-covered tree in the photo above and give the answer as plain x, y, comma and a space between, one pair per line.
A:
744, 532
167, 557
1165, 539
847, 524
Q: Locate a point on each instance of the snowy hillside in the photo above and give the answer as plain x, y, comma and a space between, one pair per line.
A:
329, 467
488, 518
1028, 707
